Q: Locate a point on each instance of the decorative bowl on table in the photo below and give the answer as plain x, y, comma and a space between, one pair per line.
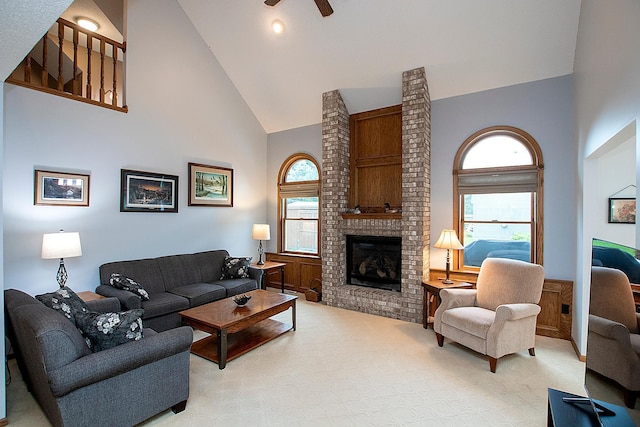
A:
241, 300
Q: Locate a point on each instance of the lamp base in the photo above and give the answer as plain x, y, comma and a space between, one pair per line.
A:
447, 281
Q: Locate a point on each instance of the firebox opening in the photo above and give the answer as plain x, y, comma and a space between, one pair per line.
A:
374, 261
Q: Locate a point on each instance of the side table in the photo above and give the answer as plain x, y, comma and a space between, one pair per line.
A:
89, 296
270, 265
431, 299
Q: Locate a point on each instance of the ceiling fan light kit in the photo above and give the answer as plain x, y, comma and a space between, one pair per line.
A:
323, 6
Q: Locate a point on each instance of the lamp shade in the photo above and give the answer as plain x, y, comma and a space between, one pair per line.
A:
261, 232
448, 240
61, 245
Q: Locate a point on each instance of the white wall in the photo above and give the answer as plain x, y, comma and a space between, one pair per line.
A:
281, 145
182, 108
607, 79
616, 178
3, 401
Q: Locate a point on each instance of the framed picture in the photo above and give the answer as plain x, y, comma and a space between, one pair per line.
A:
622, 210
148, 192
60, 188
210, 185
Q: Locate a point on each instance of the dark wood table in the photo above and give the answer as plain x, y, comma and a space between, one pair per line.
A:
270, 265
431, 299
236, 330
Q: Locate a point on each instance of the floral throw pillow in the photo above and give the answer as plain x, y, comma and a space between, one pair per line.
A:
235, 268
64, 301
106, 330
123, 282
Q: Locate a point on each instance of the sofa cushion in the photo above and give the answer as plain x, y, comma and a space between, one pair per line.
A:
179, 270
107, 330
163, 303
237, 286
65, 301
235, 267
144, 271
210, 264
200, 293
473, 320
120, 281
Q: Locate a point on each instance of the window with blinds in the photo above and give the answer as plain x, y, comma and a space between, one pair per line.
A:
498, 185
299, 205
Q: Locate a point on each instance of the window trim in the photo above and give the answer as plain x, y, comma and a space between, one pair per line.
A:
538, 197
286, 189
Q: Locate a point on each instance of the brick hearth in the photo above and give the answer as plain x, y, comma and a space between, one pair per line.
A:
414, 225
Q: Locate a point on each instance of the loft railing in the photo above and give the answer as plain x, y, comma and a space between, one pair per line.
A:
89, 67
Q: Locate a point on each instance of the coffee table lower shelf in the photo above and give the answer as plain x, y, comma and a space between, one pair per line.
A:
242, 341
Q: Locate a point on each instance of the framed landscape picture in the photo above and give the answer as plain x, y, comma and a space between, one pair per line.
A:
60, 188
210, 185
622, 210
148, 192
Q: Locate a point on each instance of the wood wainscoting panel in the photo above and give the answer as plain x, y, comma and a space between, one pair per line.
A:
301, 272
556, 303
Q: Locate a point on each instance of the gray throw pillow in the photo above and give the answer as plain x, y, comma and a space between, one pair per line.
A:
235, 268
123, 282
106, 330
64, 301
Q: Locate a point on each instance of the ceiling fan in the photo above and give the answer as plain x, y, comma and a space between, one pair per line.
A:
323, 6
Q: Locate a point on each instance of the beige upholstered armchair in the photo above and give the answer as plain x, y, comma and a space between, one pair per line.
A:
499, 316
613, 344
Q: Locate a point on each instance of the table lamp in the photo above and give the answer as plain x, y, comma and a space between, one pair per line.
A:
261, 232
448, 240
61, 245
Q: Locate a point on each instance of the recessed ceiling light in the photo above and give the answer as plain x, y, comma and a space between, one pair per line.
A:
87, 24
277, 26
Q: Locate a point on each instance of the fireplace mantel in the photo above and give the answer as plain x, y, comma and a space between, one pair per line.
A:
378, 215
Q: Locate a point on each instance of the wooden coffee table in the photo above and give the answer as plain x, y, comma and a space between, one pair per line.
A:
236, 330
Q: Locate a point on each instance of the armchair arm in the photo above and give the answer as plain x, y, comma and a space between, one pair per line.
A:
609, 329
104, 305
128, 300
452, 298
507, 312
108, 363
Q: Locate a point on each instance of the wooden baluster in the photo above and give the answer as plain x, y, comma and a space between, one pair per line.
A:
60, 56
89, 49
114, 93
75, 62
27, 69
45, 73
102, 47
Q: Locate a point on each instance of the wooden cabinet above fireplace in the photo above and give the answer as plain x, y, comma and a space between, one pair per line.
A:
376, 160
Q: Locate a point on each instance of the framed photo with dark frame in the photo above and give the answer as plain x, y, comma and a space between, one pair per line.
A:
148, 192
622, 210
60, 188
210, 185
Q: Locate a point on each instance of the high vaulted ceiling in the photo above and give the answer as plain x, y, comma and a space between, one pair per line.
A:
362, 49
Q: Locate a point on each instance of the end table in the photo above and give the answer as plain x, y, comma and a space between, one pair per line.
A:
270, 265
432, 290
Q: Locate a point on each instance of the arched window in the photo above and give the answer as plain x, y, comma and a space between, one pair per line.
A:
498, 183
299, 205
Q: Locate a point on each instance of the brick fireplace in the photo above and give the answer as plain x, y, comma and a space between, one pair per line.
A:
413, 227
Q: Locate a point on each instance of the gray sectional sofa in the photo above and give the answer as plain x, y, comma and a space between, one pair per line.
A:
175, 283
118, 386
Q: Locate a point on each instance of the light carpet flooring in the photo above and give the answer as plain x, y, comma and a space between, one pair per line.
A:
344, 368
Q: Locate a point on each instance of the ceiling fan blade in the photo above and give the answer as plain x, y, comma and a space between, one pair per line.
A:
324, 7
271, 2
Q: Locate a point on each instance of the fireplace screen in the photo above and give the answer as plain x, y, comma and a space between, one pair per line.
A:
374, 261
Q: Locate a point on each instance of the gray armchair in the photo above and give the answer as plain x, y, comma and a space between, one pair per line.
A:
613, 344
499, 316
123, 385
